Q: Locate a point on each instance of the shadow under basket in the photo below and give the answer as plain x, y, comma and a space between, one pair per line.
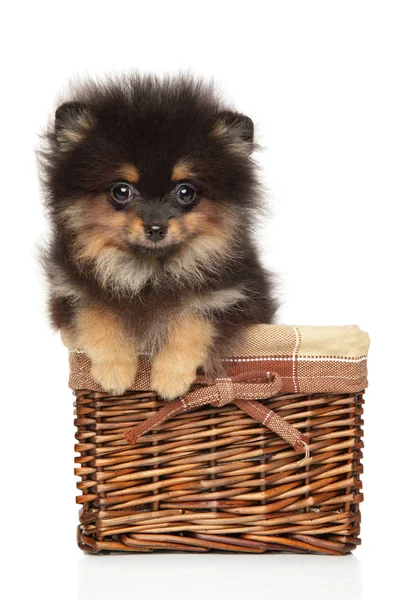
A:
214, 477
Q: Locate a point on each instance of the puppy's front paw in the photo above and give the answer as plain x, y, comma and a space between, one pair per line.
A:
115, 376
170, 376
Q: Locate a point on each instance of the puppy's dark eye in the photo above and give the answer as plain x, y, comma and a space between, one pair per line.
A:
187, 193
121, 193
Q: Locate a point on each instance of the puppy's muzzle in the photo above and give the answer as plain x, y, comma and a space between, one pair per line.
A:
156, 233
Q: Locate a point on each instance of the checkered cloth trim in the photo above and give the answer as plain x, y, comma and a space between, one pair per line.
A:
307, 359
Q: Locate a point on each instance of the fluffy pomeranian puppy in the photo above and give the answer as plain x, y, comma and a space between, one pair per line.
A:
151, 193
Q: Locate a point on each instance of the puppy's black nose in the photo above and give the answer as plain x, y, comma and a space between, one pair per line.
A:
156, 233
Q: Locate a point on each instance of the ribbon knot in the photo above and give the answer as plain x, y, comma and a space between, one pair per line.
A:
242, 390
225, 390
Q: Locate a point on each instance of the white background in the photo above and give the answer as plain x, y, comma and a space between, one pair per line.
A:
320, 79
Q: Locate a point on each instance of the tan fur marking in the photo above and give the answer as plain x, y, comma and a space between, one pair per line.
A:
92, 211
69, 137
188, 345
212, 225
86, 121
174, 231
212, 238
136, 228
231, 138
92, 246
113, 354
129, 172
97, 226
75, 132
220, 129
183, 170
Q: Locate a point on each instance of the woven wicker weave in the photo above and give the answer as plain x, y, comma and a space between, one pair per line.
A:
214, 479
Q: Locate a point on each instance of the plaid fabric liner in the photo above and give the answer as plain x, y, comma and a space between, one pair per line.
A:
307, 359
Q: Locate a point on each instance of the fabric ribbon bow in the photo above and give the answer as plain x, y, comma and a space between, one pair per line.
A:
242, 390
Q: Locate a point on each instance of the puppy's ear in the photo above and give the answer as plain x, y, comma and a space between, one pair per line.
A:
237, 129
73, 121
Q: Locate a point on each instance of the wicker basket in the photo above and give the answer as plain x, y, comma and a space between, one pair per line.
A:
215, 478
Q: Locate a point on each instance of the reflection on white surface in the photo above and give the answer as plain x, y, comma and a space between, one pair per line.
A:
212, 576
